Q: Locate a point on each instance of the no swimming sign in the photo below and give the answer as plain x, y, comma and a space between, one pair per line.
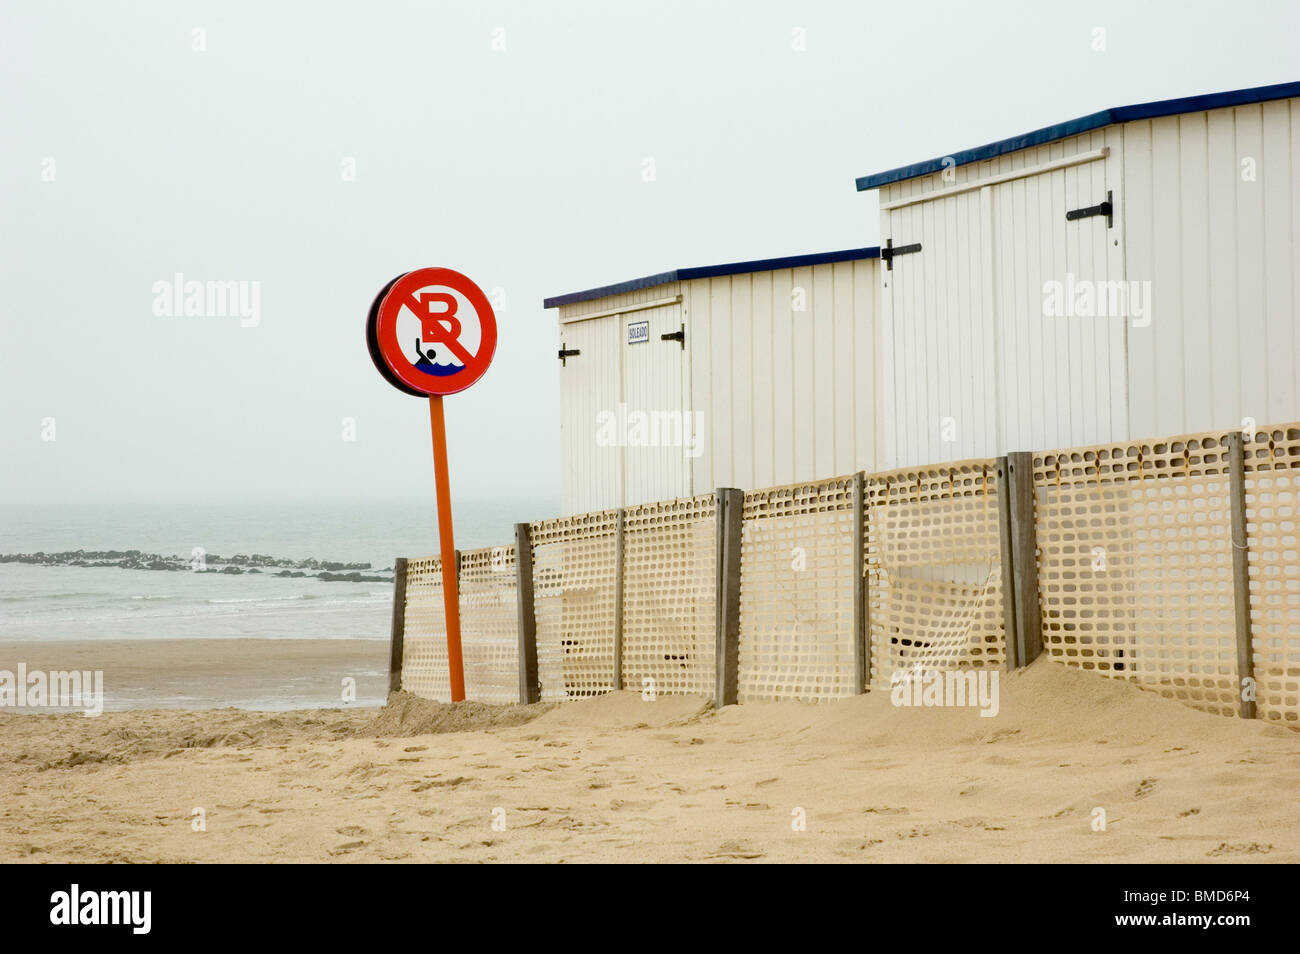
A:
432, 332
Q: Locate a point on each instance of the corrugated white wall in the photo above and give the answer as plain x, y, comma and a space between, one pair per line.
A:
781, 366
973, 367
963, 330
1222, 254
654, 379
1061, 379
611, 377
589, 384
937, 345
788, 394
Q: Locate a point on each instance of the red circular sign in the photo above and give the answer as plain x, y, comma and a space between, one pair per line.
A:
436, 331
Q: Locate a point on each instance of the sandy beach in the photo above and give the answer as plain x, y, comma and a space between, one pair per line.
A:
621, 779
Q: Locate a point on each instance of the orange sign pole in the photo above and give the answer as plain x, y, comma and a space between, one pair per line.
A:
450, 586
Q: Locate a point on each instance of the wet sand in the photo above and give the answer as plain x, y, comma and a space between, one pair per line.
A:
206, 673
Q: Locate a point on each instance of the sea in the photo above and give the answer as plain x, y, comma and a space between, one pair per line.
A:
44, 603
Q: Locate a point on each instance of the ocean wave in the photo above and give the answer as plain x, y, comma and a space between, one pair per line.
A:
27, 597
268, 599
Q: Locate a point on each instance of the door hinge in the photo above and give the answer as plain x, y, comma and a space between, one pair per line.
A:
888, 252
566, 353
679, 336
1107, 209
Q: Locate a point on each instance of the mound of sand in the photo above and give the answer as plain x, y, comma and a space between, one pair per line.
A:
66, 740
617, 778
616, 711
406, 715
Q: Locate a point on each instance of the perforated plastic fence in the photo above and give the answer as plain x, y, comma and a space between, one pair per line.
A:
934, 568
573, 586
1272, 471
424, 639
796, 593
670, 595
1135, 565
489, 623
1135, 578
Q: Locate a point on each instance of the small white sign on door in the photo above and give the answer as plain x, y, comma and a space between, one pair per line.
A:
638, 332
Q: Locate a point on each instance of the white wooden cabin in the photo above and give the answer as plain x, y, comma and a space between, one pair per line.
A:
750, 374
1195, 200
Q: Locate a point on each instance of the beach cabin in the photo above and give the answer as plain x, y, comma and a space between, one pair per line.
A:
1127, 274
749, 374
1130, 273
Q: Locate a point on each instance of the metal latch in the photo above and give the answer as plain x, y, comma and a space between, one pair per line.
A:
676, 336
566, 353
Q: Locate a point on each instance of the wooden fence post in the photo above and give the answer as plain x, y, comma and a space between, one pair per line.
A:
1024, 557
861, 607
1007, 554
398, 625
529, 686
731, 511
619, 526
1241, 570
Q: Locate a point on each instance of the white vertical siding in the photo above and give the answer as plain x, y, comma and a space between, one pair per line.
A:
974, 367
778, 351
802, 448
783, 364
763, 374
1061, 380
937, 334
711, 329
790, 395
849, 389
1222, 254
739, 303
589, 384
653, 375
609, 373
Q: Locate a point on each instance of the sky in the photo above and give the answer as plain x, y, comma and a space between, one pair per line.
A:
314, 150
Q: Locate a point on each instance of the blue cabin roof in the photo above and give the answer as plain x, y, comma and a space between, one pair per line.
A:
1107, 117
713, 271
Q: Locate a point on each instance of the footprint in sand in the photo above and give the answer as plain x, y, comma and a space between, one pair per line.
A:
1253, 848
347, 847
1144, 788
440, 783
735, 849
848, 848
1001, 735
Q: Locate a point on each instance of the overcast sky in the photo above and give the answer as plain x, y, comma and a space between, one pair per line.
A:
520, 167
